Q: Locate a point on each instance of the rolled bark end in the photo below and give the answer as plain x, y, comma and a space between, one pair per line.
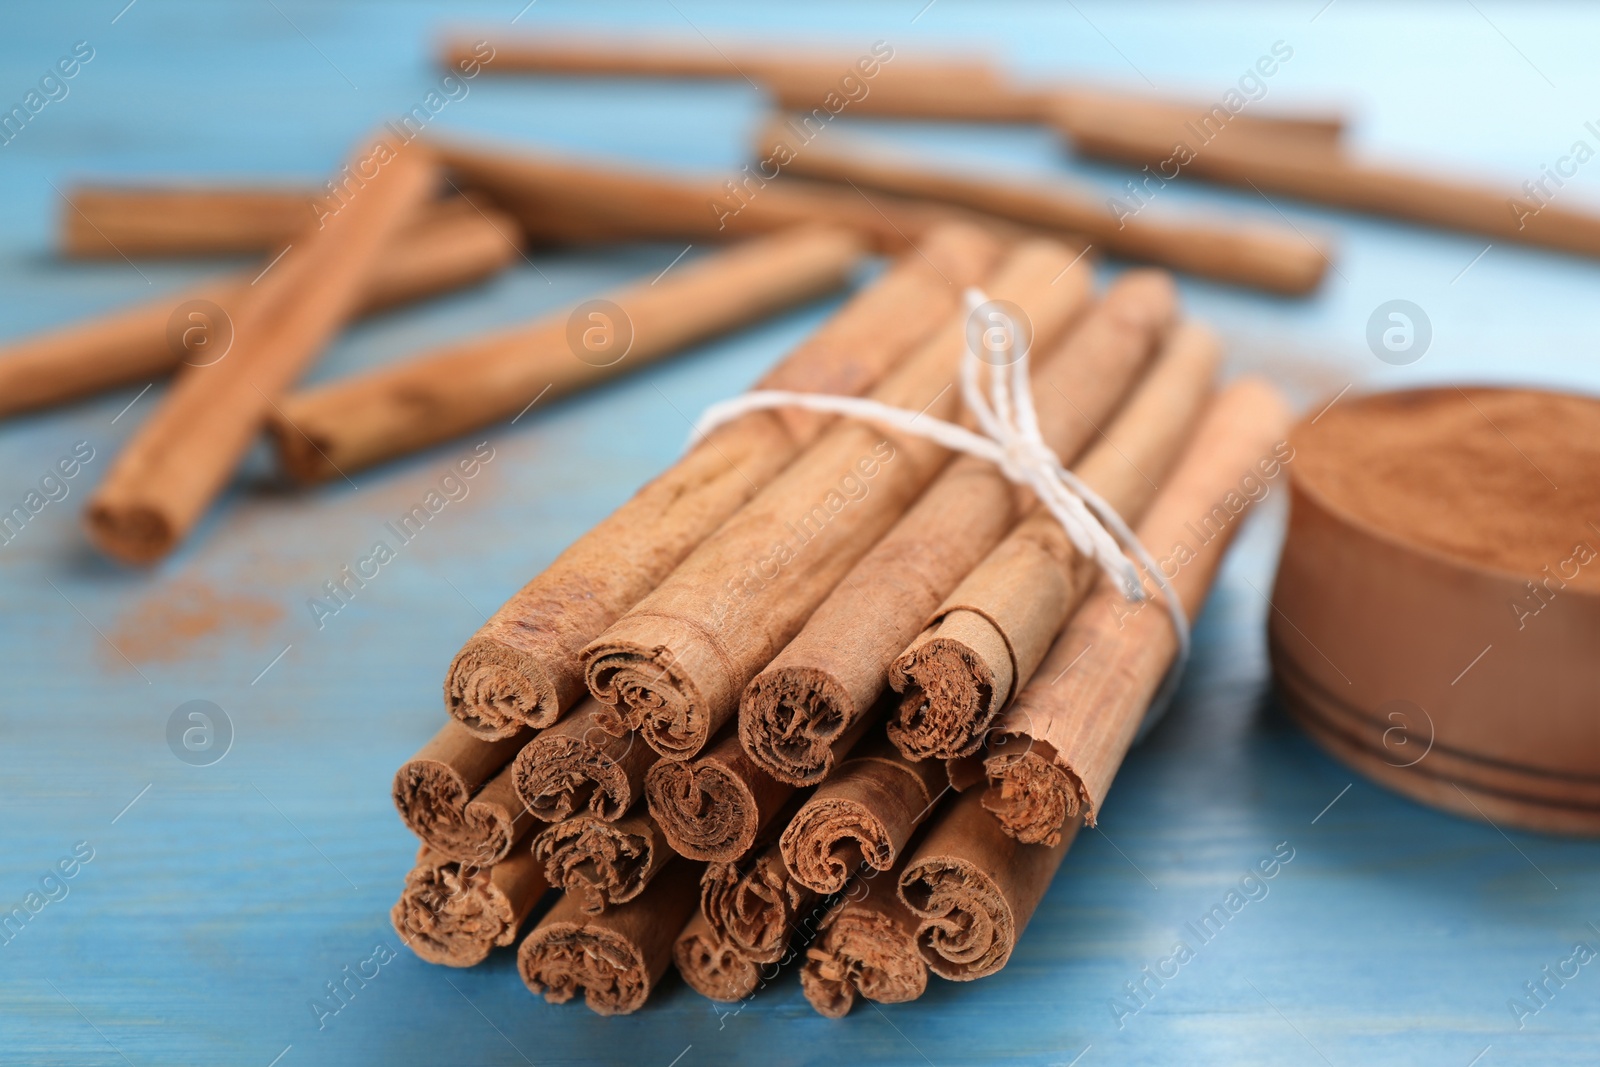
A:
453, 914
862, 951
645, 693
789, 719
131, 533
952, 687
829, 838
558, 776
713, 967
754, 905
705, 810
560, 958
600, 863
967, 930
494, 691
1031, 796
436, 805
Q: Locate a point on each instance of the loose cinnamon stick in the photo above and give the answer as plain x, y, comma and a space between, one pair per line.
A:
522, 667
365, 419
603, 863
454, 913
177, 462
1091, 108
714, 806
867, 947
973, 889
458, 795
565, 200
674, 667
754, 904
873, 81
1256, 254
1059, 745
865, 812
988, 637
835, 670
452, 244
99, 222
617, 957
576, 766
1313, 172
712, 966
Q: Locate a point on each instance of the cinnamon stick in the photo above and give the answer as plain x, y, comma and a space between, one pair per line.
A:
1058, 747
674, 667
617, 957
713, 807
987, 638
602, 863
367, 418
754, 904
1262, 255
973, 889
575, 766
867, 947
177, 462
100, 222
875, 80
458, 795
1314, 172
836, 668
452, 244
455, 913
712, 966
521, 668
865, 812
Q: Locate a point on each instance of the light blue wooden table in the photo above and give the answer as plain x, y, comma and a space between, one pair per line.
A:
220, 899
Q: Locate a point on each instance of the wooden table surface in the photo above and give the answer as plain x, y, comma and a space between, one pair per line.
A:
220, 899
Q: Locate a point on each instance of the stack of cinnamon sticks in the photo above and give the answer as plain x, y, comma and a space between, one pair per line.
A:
825, 691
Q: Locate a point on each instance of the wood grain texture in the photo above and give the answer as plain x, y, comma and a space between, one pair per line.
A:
218, 904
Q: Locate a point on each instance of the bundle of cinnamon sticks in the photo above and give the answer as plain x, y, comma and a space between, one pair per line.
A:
824, 691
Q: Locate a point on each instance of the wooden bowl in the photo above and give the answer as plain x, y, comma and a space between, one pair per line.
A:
1436, 617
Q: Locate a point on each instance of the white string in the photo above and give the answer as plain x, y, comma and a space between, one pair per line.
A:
1011, 440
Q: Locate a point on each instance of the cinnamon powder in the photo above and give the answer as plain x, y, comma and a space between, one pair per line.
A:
1503, 478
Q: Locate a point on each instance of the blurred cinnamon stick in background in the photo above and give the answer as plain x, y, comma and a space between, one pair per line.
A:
1268, 256
1319, 174
451, 244
354, 422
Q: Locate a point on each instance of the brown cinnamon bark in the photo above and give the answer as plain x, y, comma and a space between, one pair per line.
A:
754, 904
354, 422
1257, 254
617, 957
864, 813
974, 889
713, 807
576, 766
989, 636
458, 795
602, 863
99, 222
455, 913
714, 967
563, 200
835, 670
522, 667
867, 947
451, 245
1063, 741
180, 459
675, 665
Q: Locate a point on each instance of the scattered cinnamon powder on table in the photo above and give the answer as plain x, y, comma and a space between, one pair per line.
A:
168, 624
1504, 478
